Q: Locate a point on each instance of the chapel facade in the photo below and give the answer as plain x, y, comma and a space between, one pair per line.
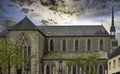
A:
54, 46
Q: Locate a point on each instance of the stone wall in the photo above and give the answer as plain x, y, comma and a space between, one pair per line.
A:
82, 41
68, 69
37, 47
114, 65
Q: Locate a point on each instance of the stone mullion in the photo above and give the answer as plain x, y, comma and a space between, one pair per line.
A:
105, 67
97, 69
42, 67
83, 70
93, 67
69, 69
66, 69
78, 69
52, 68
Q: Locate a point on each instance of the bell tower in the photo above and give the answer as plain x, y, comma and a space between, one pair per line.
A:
112, 28
114, 42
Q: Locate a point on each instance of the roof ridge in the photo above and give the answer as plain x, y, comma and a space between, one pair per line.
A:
71, 26
26, 18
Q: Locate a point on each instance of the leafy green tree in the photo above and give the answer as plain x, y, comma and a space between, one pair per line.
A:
10, 55
90, 61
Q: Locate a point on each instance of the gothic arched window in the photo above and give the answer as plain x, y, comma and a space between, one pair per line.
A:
25, 49
29, 59
76, 45
47, 69
51, 45
64, 45
101, 70
88, 45
91, 69
101, 45
74, 69
87, 69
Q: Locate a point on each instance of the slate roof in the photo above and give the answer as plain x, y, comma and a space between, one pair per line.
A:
4, 33
24, 24
93, 30
115, 53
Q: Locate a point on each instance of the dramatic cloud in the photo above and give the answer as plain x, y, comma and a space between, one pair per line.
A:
64, 12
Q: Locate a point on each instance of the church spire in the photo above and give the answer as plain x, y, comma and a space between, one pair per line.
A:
112, 16
112, 29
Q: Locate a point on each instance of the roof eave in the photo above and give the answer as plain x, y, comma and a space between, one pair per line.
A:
26, 30
78, 36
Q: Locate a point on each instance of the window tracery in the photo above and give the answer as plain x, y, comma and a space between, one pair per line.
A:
25, 49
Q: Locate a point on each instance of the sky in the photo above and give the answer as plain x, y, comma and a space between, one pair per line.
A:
66, 12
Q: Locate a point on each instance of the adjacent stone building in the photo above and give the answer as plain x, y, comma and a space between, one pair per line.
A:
53, 46
114, 62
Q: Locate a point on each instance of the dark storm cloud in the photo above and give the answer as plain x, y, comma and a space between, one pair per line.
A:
89, 8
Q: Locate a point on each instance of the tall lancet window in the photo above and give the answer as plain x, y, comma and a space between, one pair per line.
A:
25, 49
47, 69
64, 45
74, 69
101, 45
76, 45
87, 70
88, 45
101, 70
51, 45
